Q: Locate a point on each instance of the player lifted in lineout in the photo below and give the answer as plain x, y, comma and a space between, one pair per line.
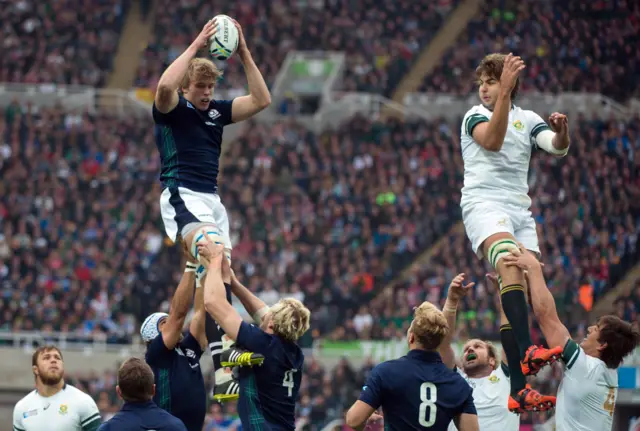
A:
480, 366
496, 139
589, 387
189, 127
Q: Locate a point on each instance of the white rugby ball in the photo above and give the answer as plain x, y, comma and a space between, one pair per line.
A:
224, 43
212, 232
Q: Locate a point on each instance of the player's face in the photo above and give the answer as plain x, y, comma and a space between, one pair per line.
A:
488, 89
162, 324
49, 368
590, 344
265, 324
475, 355
199, 93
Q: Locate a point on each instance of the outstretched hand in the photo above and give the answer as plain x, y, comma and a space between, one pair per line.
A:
209, 29
457, 288
210, 252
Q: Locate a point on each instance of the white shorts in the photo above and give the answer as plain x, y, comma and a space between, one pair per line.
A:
481, 220
181, 206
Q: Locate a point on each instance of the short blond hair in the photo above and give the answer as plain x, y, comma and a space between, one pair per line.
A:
290, 319
429, 326
201, 69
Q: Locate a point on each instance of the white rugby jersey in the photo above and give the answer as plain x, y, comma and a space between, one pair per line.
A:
587, 394
491, 397
499, 176
68, 410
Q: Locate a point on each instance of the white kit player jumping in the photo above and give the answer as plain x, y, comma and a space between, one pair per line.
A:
189, 126
589, 387
496, 139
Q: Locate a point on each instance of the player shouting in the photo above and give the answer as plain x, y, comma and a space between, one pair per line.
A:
189, 127
497, 138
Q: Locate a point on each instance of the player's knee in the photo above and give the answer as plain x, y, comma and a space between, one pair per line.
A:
499, 249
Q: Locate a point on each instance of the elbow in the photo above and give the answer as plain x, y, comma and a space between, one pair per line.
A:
493, 146
264, 103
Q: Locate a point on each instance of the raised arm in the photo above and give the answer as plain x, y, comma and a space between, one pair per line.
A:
180, 305
554, 140
542, 302
254, 306
490, 135
167, 92
197, 326
457, 290
215, 294
259, 98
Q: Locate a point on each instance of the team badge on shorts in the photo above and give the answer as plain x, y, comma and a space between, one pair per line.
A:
518, 125
63, 409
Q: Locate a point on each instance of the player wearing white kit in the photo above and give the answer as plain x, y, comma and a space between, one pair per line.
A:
54, 405
589, 387
496, 139
480, 366
189, 128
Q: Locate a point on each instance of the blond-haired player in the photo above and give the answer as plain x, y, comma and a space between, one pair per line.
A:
189, 126
480, 365
589, 386
417, 391
497, 138
54, 405
267, 393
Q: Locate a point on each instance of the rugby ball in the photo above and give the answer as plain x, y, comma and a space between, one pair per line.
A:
224, 43
212, 232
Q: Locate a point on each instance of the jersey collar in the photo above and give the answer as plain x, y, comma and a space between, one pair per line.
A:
136, 406
424, 355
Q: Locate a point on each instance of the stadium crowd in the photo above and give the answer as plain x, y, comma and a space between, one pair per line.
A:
379, 53
587, 211
64, 42
568, 45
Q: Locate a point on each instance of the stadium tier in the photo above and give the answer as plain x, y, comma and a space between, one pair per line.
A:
64, 42
380, 52
569, 46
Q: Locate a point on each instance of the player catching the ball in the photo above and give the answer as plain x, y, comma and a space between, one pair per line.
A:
189, 127
496, 139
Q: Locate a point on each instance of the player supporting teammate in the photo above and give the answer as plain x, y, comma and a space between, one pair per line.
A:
496, 140
54, 405
589, 387
267, 393
417, 391
174, 358
189, 127
480, 366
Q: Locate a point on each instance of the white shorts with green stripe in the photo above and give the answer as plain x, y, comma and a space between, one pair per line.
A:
483, 219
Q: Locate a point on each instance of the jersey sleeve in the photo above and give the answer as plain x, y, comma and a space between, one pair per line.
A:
90, 418
225, 108
468, 405
372, 390
157, 353
535, 125
173, 115
190, 342
575, 360
471, 119
17, 418
253, 338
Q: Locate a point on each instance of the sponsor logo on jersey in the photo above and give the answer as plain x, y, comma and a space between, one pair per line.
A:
64, 409
29, 413
213, 114
518, 125
494, 379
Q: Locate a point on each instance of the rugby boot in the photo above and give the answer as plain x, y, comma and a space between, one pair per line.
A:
529, 400
236, 356
226, 387
537, 358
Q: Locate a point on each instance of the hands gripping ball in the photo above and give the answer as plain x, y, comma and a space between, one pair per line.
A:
224, 43
212, 232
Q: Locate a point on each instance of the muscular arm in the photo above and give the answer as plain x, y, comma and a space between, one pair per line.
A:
167, 92
490, 135
254, 306
180, 305
446, 351
467, 422
358, 415
259, 98
197, 326
544, 308
216, 304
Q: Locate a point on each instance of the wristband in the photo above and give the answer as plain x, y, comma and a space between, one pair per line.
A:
191, 267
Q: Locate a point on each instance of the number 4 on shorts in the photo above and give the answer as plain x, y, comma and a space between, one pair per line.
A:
287, 382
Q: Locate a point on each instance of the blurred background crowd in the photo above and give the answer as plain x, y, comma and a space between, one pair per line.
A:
333, 218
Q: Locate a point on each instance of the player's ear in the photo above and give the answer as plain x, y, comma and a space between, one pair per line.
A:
35, 370
153, 391
602, 346
118, 391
